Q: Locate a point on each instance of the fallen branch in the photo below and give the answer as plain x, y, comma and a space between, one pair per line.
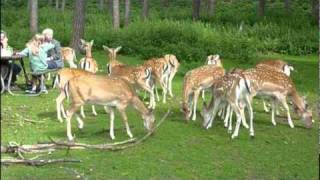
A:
39, 162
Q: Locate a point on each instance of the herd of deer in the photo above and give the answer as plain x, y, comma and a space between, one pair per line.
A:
232, 91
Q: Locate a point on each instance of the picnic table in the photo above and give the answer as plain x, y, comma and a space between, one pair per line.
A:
9, 61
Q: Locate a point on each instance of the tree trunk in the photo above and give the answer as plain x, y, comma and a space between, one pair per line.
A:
63, 5
287, 6
315, 10
49, 3
145, 9
116, 17
261, 8
165, 3
33, 16
101, 4
110, 7
127, 13
78, 24
57, 4
196, 9
211, 7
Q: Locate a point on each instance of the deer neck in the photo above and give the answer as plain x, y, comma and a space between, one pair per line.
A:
88, 53
139, 106
297, 100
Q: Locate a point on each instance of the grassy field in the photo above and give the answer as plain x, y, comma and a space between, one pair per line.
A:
178, 150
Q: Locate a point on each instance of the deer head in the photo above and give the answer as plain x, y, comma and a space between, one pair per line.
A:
148, 120
112, 52
214, 59
86, 46
172, 59
305, 113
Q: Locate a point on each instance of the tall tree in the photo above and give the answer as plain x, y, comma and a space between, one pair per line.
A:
165, 3
57, 4
287, 4
110, 7
261, 7
126, 12
196, 9
101, 4
116, 15
33, 16
211, 7
63, 5
49, 2
145, 9
78, 24
315, 10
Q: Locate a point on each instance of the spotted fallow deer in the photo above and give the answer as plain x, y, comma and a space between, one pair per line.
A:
61, 79
277, 65
279, 86
88, 63
113, 92
233, 90
139, 76
194, 82
161, 74
174, 66
212, 60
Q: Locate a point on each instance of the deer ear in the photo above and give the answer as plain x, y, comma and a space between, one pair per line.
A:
118, 48
106, 48
91, 42
217, 57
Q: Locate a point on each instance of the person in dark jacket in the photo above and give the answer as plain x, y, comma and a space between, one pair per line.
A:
54, 59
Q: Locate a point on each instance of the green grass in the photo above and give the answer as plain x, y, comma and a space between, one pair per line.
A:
178, 150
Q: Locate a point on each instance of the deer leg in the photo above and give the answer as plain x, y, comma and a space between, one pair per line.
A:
272, 114
265, 106
164, 91
195, 102
157, 94
203, 95
59, 105
111, 111
227, 116
82, 112
63, 112
285, 105
251, 130
230, 120
277, 108
243, 119
125, 121
239, 116
94, 110
70, 113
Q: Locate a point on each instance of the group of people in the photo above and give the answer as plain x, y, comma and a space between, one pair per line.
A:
43, 51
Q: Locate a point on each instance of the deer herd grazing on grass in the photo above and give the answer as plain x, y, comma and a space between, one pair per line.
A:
232, 91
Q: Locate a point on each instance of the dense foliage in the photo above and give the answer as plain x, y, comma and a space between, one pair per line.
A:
234, 31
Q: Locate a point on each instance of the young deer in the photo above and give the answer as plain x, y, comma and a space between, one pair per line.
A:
161, 74
212, 60
194, 82
276, 65
139, 76
279, 86
88, 63
108, 91
233, 90
61, 79
174, 66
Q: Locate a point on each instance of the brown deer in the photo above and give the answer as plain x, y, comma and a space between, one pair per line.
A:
68, 55
88, 63
112, 92
279, 86
139, 76
232, 89
174, 66
194, 82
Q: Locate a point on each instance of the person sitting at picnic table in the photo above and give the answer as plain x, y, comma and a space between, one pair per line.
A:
37, 51
7, 51
54, 59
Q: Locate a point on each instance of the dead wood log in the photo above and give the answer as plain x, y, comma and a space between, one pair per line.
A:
35, 162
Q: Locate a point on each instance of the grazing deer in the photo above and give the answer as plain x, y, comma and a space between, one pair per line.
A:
139, 76
61, 79
233, 90
174, 66
277, 65
212, 60
88, 63
161, 74
194, 82
279, 86
108, 91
